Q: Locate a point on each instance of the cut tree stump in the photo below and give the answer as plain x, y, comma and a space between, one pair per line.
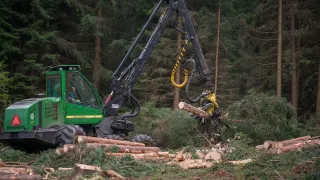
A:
213, 155
88, 139
193, 110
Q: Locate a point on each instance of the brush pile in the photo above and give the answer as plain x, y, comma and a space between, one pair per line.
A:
296, 144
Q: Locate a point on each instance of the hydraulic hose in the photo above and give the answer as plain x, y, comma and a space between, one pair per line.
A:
132, 113
177, 65
193, 67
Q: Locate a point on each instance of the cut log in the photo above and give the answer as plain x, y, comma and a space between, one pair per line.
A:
158, 159
2, 164
16, 170
68, 148
172, 155
164, 154
195, 164
121, 148
112, 174
303, 138
267, 145
277, 145
188, 155
65, 169
59, 151
83, 169
137, 156
200, 154
241, 162
127, 149
88, 139
19, 177
180, 157
260, 147
193, 110
213, 155
298, 146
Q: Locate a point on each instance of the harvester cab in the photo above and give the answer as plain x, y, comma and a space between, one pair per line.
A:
71, 107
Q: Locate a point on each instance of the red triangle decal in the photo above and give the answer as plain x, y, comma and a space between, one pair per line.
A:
15, 121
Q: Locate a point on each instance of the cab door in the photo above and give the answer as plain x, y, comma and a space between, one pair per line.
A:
82, 105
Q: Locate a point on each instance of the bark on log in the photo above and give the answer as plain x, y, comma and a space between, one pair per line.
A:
260, 147
15, 170
111, 173
88, 139
127, 149
241, 162
134, 155
19, 177
276, 145
291, 141
65, 169
2, 164
68, 148
121, 148
83, 169
195, 164
297, 146
59, 151
194, 110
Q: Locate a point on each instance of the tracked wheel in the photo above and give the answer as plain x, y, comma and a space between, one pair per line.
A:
67, 133
142, 138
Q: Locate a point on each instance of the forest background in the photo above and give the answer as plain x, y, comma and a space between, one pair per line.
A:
255, 44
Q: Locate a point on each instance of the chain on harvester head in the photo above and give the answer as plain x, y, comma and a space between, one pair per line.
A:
177, 65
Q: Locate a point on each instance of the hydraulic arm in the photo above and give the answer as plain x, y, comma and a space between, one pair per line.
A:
123, 82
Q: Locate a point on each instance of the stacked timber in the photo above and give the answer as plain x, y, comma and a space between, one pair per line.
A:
139, 151
289, 145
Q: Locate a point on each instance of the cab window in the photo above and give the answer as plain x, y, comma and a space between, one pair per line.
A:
54, 86
78, 91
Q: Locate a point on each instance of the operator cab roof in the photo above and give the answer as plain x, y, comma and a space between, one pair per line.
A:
65, 68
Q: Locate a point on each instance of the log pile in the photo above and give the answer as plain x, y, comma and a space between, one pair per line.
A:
139, 151
16, 170
21, 171
295, 144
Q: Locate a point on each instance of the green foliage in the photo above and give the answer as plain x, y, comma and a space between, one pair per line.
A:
172, 129
264, 117
5, 83
241, 148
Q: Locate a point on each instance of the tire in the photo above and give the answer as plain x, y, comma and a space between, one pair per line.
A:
67, 133
142, 138
113, 136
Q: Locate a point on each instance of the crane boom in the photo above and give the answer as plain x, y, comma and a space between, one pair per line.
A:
122, 83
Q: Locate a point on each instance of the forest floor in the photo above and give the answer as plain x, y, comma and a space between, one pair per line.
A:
292, 165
